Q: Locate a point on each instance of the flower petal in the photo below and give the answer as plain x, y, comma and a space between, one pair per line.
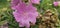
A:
24, 23
35, 1
32, 17
55, 3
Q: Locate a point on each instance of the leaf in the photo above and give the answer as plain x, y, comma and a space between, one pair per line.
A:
3, 22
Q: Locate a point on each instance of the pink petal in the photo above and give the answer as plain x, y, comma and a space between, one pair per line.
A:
35, 1
55, 3
24, 23
32, 17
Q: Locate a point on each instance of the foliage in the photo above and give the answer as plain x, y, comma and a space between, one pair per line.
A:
6, 12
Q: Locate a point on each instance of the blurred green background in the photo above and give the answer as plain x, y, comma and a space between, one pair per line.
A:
6, 12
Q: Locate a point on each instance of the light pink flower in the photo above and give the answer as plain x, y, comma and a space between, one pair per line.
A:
55, 3
35, 1
24, 14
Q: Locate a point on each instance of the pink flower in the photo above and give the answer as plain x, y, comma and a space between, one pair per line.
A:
35, 1
24, 14
14, 3
55, 3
